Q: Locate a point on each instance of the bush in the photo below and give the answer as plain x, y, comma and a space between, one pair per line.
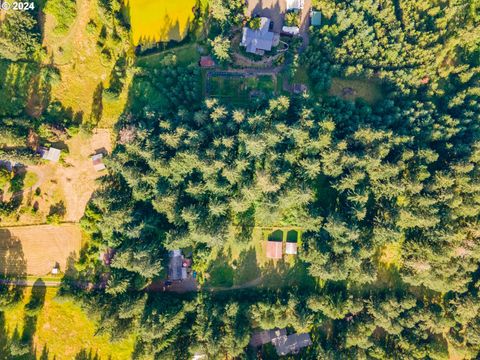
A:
65, 12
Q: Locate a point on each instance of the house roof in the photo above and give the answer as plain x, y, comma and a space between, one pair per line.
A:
291, 343
261, 39
290, 248
97, 161
263, 337
175, 265
51, 154
316, 18
294, 4
274, 249
207, 61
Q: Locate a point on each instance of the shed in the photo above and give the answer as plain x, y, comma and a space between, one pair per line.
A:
315, 18
51, 154
274, 249
97, 161
299, 88
291, 248
290, 30
291, 343
207, 62
295, 4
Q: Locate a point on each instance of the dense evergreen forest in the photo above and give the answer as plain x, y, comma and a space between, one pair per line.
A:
387, 194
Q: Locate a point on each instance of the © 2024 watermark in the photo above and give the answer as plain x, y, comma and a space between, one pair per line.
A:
17, 5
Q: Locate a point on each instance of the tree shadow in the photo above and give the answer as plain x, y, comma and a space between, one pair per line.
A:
97, 106
84, 355
22, 345
13, 267
37, 298
247, 267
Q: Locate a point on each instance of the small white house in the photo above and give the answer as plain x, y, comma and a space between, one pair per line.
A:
51, 154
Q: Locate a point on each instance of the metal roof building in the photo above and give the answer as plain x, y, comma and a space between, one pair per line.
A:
258, 41
315, 18
291, 344
51, 154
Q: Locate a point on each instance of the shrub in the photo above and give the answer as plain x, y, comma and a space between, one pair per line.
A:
64, 11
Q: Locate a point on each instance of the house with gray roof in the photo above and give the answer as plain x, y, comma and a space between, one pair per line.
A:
291, 344
265, 336
260, 40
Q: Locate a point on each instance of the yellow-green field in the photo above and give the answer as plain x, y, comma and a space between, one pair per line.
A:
159, 20
66, 330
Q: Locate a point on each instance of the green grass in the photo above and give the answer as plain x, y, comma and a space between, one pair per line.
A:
185, 55
368, 90
30, 179
66, 329
238, 91
245, 261
65, 12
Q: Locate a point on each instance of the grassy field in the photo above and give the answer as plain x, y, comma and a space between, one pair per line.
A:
351, 89
185, 55
241, 90
160, 20
244, 263
83, 68
66, 330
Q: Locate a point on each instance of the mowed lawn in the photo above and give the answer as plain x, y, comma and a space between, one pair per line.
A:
244, 263
352, 89
66, 329
160, 20
238, 90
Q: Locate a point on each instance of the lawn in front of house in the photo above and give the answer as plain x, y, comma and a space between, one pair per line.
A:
241, 90
352, 89
65, 329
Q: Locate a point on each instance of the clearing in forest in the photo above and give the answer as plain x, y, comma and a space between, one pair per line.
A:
62, 189
352, 89
35, 250
245, 263
84, 70
240, 89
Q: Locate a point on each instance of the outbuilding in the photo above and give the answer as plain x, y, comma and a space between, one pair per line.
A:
50, 154
97, 161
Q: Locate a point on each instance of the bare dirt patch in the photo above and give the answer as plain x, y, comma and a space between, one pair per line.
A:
67, 186
41, 247
77, 178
